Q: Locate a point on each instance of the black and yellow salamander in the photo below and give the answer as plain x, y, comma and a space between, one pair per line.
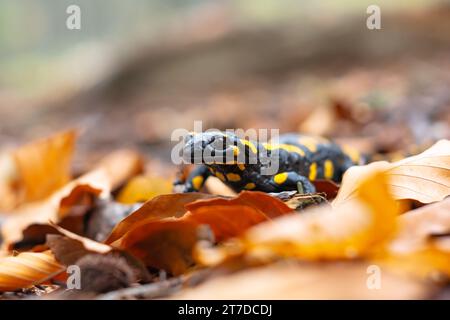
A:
298, 159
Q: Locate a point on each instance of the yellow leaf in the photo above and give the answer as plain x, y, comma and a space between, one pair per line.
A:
424, 177
27, 269
143, 188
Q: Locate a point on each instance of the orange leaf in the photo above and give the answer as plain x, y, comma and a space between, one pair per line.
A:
113, 171
354, 229
44, 165
27, 269
164, 206
163, 235
268, 205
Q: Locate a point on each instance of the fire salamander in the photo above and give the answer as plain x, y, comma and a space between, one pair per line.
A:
301, 159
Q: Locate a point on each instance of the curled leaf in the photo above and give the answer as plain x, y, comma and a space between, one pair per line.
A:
37, 169
424, 177
27, 269
354, 229
164, 206
164, 231
73, 200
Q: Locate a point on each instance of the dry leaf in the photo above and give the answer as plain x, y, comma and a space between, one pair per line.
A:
27, 269
354, 229
113, 171
163, 234
231, 217
420, 228
424, 177
30, 225
164, 244
143, 188
164, 206
120, 166
419, 247
38, 169
325, 280
44, 165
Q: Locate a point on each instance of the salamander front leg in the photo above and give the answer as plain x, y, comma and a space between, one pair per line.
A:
194, 181
292, 181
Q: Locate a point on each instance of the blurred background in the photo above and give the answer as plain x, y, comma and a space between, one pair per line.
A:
139, 69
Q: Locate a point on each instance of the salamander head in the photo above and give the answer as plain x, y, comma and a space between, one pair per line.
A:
212, 148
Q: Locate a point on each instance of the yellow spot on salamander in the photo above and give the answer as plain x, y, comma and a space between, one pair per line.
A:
250, 145
286, 147
313, 171
328, 169
197, 182
250, 186
233, 177
280, 178
220, 176
236, 151
241, 166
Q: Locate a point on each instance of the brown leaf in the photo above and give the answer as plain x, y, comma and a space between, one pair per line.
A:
324, 280
231, 217
354, 229
164, 244
163, 234
29, 226
270, 206
424, 177
69, 204
170, 205
418, 229
421, 246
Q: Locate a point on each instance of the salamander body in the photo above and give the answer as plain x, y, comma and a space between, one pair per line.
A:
245, 164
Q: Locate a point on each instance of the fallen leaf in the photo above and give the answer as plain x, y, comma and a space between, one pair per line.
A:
355, 229
165, 244
270, 206
38, 169
231, 217
164, 231
164, 206
44, 165
418, 229
63, 203
143, 188
29, 226
424, 177
27, 269
418, 247
120, 166
294, 280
